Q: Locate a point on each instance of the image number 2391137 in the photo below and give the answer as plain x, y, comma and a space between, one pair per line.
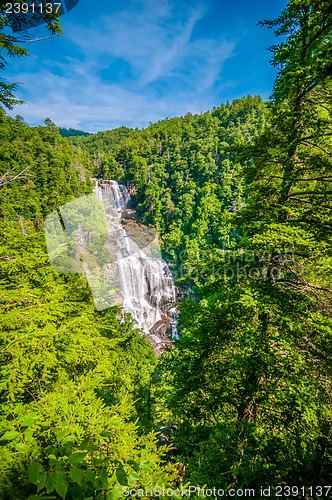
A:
26, 15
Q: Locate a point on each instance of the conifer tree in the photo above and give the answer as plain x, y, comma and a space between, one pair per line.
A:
250, 383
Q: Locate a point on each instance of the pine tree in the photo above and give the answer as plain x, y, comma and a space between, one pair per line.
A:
250, 383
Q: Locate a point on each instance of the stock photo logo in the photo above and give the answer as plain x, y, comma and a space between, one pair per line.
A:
32, 13
86, 236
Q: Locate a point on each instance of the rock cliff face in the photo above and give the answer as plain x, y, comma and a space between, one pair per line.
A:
147, 289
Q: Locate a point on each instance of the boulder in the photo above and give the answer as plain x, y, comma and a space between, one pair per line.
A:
162, 329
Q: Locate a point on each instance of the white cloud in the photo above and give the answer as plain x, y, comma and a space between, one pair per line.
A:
176, 72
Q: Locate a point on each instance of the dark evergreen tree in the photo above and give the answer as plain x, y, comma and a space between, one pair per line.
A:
250, 383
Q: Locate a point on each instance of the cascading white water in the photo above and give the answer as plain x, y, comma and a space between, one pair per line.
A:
147, 285
147, 291
112, 194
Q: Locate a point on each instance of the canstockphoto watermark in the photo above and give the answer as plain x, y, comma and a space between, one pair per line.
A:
195, 491
278, 491
228, 264
86, 236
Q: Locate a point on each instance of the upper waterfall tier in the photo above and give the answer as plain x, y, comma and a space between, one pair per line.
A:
112, 194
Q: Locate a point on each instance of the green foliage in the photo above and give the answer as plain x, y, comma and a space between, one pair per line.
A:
244, 388
72, 132
99, 151
305, 58
76, 448
39, 171
241, 198
183, 175
69, 371
72, 379
250, 381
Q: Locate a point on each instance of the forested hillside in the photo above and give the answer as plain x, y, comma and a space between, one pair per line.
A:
250, 381
241, 199
72, 132
73, 381
184, 173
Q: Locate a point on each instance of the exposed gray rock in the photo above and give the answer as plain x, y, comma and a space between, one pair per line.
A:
164, 433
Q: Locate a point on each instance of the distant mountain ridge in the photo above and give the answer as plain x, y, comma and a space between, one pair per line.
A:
70, 132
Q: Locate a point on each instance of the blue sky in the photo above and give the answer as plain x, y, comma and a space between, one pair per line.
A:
134, 62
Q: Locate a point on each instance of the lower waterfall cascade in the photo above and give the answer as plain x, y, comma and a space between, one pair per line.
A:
147, 285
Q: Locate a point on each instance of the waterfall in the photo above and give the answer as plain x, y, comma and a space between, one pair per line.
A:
112, 194
146, 283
